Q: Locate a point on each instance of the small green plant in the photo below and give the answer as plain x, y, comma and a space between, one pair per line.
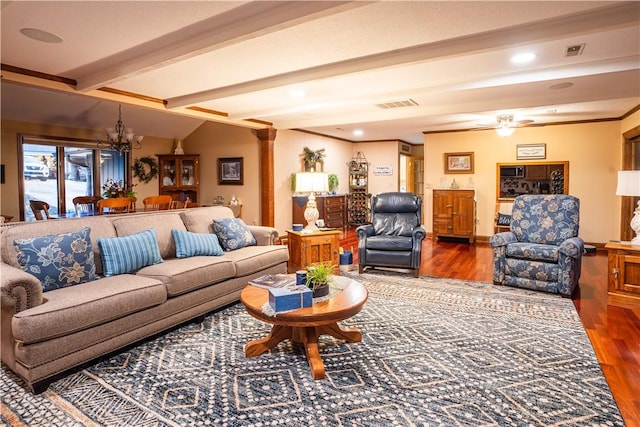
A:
292, 178
319, 274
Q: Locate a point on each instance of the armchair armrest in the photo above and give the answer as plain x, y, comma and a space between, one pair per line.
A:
572, 247
364, 231
419, 234
265, 236
18, 290
502, 239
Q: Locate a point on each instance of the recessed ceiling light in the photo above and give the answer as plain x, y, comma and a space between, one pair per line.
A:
297, 93
523, 58
561, 85
41, 35
358, 132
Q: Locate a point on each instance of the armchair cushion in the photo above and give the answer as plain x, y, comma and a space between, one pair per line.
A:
390, 243
533, 251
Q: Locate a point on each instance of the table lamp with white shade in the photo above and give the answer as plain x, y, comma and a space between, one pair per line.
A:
629, 185
311, 182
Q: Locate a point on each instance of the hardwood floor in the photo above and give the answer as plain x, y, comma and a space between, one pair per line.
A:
614, 331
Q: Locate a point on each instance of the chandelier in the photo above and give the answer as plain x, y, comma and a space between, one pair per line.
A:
120, 139
505, 125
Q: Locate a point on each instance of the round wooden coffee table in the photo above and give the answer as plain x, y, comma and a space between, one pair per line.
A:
305, 325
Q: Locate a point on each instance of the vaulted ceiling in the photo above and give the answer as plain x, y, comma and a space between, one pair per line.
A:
392, 69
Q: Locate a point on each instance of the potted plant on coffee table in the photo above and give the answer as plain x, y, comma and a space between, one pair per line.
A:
318, 278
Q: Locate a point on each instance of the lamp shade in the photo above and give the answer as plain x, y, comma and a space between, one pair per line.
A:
628, 183
312, 182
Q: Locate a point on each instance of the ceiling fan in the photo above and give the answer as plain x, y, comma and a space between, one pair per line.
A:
505, 125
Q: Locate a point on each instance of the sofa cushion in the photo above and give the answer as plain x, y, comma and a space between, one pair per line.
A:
58, 260
503, 219
162, 222
233, 233
182, 275
69, 310
198, 220
252, 259
190, 244
126, 254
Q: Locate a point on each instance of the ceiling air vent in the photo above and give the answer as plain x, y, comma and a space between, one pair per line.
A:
574, 50
397, 104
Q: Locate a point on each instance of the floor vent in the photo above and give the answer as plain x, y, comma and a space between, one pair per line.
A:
397, 104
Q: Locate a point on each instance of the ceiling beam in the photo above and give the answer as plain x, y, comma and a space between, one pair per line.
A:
241, 23
623, 14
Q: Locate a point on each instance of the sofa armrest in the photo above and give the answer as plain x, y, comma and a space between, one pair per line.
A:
265, 236
18, 290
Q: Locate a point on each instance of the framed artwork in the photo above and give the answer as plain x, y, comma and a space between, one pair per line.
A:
531, 151
230, 171
458, 162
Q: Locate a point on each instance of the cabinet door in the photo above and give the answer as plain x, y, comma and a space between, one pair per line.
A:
169, 169
442, 212
537, 172
188, 173
627, 276
463, 214
320, 249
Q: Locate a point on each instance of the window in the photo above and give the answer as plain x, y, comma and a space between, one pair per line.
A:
56, 170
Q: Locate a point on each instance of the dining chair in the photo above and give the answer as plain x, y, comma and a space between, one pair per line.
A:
38, 207
179, 204
156, 203
114, 205
86, 205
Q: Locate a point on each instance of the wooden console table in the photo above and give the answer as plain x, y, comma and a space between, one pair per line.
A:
624, 275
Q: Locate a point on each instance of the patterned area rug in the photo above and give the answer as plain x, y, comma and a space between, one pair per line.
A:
435, 352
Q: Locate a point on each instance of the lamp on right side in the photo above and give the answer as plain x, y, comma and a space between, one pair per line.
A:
629, 185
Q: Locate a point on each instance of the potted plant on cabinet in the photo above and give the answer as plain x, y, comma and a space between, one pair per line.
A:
333, 183
318, 278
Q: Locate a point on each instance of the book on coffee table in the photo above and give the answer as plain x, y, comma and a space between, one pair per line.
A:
270, 281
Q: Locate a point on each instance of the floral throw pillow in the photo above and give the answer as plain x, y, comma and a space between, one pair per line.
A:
233, 233
58, 260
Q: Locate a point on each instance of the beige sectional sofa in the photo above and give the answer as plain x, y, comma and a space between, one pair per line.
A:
45, 334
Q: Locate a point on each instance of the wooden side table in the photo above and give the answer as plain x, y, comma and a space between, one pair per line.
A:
624, 275
310, 248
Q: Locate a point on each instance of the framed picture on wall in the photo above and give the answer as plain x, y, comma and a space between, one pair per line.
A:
230, 171
458, 162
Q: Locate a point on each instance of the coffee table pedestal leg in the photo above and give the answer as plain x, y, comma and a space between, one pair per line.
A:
308, 337
278, 334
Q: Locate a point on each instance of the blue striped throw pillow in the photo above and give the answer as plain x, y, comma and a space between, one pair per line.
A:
190, 244
129, 253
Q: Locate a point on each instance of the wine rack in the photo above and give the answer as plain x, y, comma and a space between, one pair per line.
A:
359, 197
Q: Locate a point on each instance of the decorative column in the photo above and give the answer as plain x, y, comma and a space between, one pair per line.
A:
267, 193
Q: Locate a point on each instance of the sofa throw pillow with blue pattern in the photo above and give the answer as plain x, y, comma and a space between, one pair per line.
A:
233, 233
58, 260
190, 244
121, 255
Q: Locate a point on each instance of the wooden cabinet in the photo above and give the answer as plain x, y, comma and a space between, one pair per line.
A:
332, 209
624, 275
180, 176
537, 172
309, 248
454, 214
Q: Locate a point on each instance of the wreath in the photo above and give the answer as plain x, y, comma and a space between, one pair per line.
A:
139, 169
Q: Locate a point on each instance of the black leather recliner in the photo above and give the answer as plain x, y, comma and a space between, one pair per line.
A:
394, 237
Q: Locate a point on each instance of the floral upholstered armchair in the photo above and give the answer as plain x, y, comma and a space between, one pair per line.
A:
542, 251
